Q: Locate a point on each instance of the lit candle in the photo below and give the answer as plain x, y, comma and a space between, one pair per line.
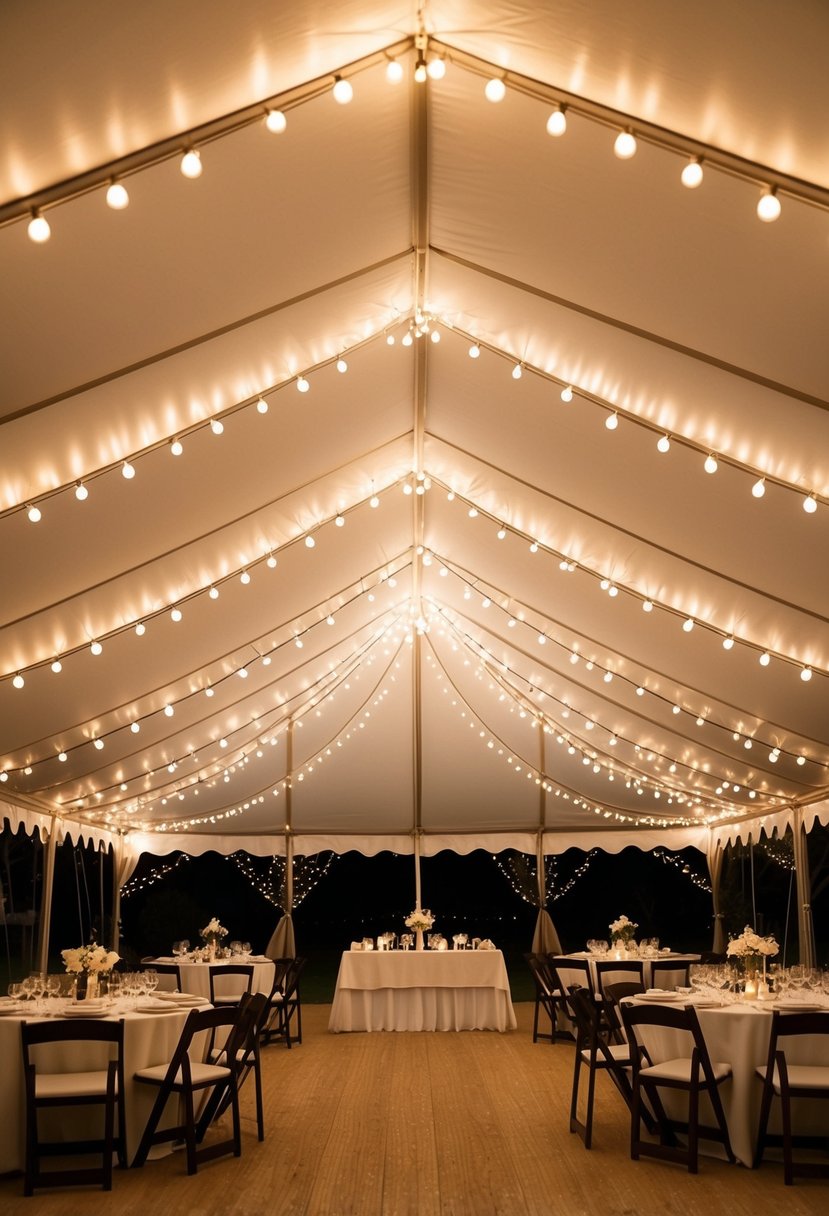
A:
751, 990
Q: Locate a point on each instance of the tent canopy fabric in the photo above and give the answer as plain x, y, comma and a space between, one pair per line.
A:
439, 553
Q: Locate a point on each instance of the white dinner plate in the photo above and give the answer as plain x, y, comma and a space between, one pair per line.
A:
155, 1007
77, 1011
797, 1007
648, 997
9, 1008
182, 1000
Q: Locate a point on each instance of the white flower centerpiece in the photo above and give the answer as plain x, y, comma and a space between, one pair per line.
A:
212, 934
420, 921
750, 951
92, 965
622, 932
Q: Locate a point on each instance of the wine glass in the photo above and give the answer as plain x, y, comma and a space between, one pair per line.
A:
246, 948
150, 980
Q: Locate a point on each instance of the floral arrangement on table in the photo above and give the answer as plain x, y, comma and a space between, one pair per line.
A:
622, 930
213, 932
92, 959
420, 920
751, 949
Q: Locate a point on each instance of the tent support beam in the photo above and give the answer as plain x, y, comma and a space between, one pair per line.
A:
805, 926
45, 925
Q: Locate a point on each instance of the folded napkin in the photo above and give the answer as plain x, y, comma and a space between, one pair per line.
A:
486, 944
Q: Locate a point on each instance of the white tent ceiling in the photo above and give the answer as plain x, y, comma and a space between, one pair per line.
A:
450, 679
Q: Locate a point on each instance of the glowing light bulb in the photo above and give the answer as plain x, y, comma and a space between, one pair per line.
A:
806, 675
38, 229
567, 393
407, 489
302, 384
342, 366
557, 122
62, 757
495, 90
501, 533
474, 351
96, 648
18, 681
810, 504
435, 335
390, 339
310, 543
759, 488
768, 206
117, 197
176, 614
127, 470
663, 444
420, 73
276, 121
710, 465
169, 711
692, 174
625, 145
339, 521
343, 92
394, 71
688, 624
217, 426
99, 744
34, 514
612, 422
407, 339
191, 165
728, 643
517, 372
57, 666
647, 605
176, 447
436, 69
140, 629
81, 492
244, 577
374, 502
261, 405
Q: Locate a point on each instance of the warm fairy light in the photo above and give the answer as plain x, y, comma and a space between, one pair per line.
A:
759, 488
567, 393
436, 69
81, 492
768, 206
625, 145
38, 229
394, 71
34, 514
692, 173
663, 444
117, 197
176, 447
261, 405
342, 90
557, 122
276, 121
127, 470
191, 165
302, 384
217, 426
710, 465
810, 504
495, 90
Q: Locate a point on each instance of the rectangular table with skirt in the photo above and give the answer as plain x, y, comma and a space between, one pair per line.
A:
422, 990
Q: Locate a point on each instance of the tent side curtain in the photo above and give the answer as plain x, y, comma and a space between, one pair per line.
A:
32, 821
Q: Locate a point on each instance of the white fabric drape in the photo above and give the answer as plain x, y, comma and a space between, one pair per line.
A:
805, 927
714, 854
125, 859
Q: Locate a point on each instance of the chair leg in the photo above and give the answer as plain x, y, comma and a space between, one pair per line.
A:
693, 1128
190, 1131
149, 1131
574, 1098
588, 1118
786, 1128
765, 1113
635, 1122
260, 1111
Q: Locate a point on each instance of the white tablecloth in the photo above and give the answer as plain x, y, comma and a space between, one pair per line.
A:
149, 1038
195, 977
739, 1035
422, 990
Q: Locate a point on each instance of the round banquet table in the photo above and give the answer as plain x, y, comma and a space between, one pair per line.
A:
738, 1034
149, 1038
195, 977
422, 990
667, 982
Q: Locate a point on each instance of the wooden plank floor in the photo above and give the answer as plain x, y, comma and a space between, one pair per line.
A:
471, 1124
